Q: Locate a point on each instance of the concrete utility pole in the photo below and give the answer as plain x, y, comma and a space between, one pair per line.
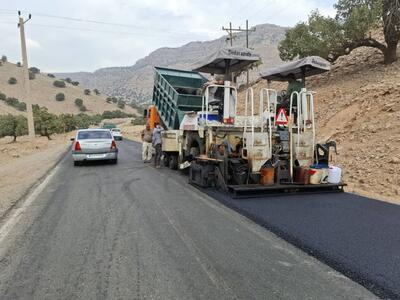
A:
230, 31
27, 87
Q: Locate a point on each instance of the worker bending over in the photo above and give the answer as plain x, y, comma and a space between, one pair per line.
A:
147, 138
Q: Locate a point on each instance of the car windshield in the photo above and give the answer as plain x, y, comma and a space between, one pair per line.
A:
95, 134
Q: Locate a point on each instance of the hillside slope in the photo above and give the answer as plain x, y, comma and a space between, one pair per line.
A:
135, 82
43, 93
357, 104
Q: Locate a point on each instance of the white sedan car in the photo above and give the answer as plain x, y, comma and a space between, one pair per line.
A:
94, 144
117, 134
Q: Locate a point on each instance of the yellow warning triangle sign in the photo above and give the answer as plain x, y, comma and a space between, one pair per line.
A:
281, 117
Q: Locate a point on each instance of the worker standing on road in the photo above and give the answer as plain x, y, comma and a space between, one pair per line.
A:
147, 139
157, 144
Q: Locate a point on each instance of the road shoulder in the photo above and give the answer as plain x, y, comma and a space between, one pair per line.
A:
25, 164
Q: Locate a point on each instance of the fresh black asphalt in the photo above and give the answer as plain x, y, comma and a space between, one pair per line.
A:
358, 236
130, 231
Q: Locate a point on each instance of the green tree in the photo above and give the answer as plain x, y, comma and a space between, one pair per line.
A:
21, 106
51, 75
60, 97
13, 126
31, 75
391, 28
4, 58
34, 70
78, 102
86, 92
75, 83
12, 80
68, 122
138, 121
69, 80
59, 83
115, 114
19, 64
3, 96
96, 91
121, 104
46, 124
350, 29
14, 102
82, 108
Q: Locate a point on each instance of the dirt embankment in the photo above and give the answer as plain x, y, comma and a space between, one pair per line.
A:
357, 104
23, 163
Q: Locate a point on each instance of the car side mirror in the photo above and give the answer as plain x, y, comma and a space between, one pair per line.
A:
72, 139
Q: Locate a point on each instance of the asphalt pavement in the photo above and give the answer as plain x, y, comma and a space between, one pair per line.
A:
357, 236
130, 231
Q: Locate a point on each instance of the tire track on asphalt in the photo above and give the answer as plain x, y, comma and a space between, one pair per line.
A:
90, 241
206, 265
104, 283
130, 196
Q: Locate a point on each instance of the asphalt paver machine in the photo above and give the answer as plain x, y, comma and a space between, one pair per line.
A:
271, 148
254, 148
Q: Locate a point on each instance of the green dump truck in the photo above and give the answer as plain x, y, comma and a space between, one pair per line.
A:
177, 94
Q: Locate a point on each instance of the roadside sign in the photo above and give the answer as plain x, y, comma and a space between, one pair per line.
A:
281, 117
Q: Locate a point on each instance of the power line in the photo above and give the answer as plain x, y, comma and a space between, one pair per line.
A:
154, 30
231, 30
169, 35
82, 20
95, 30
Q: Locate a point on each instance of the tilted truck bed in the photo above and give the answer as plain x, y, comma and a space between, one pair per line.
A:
176, 92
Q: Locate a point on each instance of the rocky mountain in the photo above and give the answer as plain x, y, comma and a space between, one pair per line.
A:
134, 83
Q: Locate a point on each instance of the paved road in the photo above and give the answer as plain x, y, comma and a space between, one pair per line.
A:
133, 232
358, 236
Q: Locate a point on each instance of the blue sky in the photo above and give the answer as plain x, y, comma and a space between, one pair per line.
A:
63, 44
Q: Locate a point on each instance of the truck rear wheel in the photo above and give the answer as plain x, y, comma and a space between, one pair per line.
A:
173, 162
167, 159
195, 145
194, 151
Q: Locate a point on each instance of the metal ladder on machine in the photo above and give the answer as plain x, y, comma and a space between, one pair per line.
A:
256, 144
302, 130
245, 149
281, 160
269, 113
